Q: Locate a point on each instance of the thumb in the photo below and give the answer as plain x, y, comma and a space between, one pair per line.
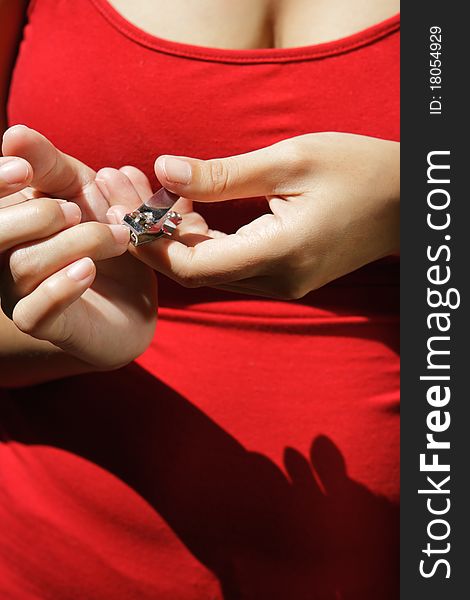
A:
56, 174
269, 171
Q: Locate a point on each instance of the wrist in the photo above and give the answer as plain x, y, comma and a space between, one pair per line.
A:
26, 361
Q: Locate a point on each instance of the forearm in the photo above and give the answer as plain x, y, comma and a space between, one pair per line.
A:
26, 361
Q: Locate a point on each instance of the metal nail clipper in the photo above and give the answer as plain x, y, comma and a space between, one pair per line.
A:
154, 218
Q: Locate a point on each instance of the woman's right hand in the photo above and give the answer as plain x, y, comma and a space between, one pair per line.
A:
15, 175
103, 314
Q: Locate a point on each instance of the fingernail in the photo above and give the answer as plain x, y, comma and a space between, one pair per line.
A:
176, 170
18, 126
121, 233
81, 270
72, 213
101, 183
14, 171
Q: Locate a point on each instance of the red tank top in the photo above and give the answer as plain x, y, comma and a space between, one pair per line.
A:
252, 451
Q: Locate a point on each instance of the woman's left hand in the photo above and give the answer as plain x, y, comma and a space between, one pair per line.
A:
334, 201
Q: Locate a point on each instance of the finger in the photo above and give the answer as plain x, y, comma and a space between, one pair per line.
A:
278, 288
16, 198
300, 472
119, 193
192, 222
117, 188
41, 314
54, 173
36, 219
194, 260
139, 181
30, 264
15, 174
191, 231
274, 170
329, 464
183, 206
209, 262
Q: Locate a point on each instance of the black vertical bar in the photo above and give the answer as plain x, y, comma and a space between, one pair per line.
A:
422, 133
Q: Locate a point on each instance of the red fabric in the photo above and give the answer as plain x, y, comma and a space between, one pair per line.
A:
252, 451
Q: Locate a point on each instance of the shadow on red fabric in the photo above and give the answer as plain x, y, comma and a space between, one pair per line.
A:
309, 532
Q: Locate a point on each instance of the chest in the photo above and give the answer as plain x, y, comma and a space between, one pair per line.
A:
248, 24
105, 93
109, 95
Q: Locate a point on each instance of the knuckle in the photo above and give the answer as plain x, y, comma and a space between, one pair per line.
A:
24, 319
23, 262
290, 290
222, 174
297, 163
298, 274
46, 214
64, 336
97, 234
32, 318
299, 156
295, 292
190, 273
189, 280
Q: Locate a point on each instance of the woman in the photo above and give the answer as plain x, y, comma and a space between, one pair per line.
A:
252, 450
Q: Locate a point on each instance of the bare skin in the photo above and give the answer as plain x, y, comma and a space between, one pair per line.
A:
262, 24
334, 201
76, 299
31, 350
